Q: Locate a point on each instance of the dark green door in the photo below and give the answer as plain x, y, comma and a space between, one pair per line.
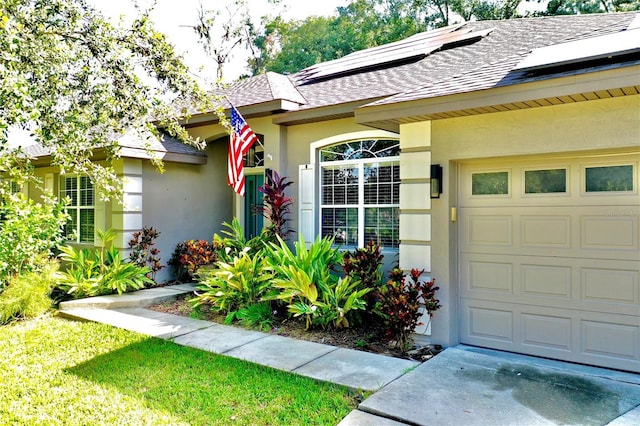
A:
253, 221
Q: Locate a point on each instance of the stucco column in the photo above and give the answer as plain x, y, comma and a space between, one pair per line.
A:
415, 202
127, 217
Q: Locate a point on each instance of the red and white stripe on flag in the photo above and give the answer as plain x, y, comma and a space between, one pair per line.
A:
241, 140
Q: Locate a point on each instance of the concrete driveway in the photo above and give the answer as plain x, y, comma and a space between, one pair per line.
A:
471, 386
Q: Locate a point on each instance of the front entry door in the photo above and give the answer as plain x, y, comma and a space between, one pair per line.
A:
253, 221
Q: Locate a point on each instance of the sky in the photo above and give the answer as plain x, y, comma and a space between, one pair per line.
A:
173, 17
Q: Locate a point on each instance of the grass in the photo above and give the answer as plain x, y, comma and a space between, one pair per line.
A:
58, 372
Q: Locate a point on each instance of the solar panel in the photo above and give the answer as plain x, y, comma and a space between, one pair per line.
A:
573, 52
412, 48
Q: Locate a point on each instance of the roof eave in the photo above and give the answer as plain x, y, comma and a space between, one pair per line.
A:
248, 111
567, 89
319, 114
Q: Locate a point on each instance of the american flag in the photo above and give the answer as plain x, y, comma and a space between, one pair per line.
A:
242, 139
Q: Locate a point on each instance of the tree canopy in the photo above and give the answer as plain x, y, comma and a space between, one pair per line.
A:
77, 83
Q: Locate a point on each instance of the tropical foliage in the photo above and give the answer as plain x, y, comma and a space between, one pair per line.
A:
190, 256
143, 251
234, 286
276, 205
28, 293
98, 271
400, 302
29, 233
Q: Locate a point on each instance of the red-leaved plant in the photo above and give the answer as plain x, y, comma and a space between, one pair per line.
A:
143, 253
276, 204
365, 265
189, 256
400, 301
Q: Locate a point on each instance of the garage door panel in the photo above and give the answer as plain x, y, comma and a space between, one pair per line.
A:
613, 285
552, 274
548, 332
491, 321
490, 276
599, 339
609, 232
495, 230
546, 231
594, 285
580, 232
609, 339
546, 280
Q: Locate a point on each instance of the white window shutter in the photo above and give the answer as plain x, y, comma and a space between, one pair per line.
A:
48, 182
306, 203
99, 220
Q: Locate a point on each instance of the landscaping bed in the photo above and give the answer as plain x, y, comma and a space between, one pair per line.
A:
363, 337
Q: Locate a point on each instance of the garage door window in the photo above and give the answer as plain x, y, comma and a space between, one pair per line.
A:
492, 183
552, 181
609, 178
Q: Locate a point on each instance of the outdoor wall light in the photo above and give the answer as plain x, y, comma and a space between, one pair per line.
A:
436, 180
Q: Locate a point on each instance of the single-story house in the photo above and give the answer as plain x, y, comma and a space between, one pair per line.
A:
500, 156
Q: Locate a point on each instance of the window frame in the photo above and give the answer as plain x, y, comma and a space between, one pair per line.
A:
606, 164
361, 164
76, 234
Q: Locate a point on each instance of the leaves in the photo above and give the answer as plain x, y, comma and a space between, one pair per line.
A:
77, 83
98, 271
400, 303
276, 205
189, 256
232, 286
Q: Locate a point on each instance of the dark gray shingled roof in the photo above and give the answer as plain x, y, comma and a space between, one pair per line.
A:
463, 68
167, 145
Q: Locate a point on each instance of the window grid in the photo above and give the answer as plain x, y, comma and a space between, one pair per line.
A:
360, 195
80, 192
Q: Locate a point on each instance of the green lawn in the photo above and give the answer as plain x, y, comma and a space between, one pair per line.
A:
54, 371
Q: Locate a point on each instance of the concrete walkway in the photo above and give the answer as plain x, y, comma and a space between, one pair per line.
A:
355, 369
460, 386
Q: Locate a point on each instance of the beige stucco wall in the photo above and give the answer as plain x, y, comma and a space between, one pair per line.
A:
299, 140
50, 178
610, 124
186, 201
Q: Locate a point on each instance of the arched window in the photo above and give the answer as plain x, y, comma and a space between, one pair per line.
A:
359, 192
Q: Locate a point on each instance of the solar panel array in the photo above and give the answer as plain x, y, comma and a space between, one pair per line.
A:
590, 49
415, 47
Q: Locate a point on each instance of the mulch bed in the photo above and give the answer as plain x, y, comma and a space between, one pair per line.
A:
363, 337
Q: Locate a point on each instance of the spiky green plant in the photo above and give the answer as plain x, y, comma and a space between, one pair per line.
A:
232, 286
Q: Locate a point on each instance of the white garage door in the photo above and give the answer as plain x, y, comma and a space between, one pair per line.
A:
549, 260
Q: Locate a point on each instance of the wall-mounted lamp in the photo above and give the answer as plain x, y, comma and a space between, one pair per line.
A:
436, 180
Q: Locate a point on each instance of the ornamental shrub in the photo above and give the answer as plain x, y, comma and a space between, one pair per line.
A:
231, 287
29, 233
276, 205
191, 255
365, 265
98, 271
143, 253
400, 304
28, 294
307, 280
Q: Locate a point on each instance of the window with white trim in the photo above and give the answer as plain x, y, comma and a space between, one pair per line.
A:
360, 192
80, 192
